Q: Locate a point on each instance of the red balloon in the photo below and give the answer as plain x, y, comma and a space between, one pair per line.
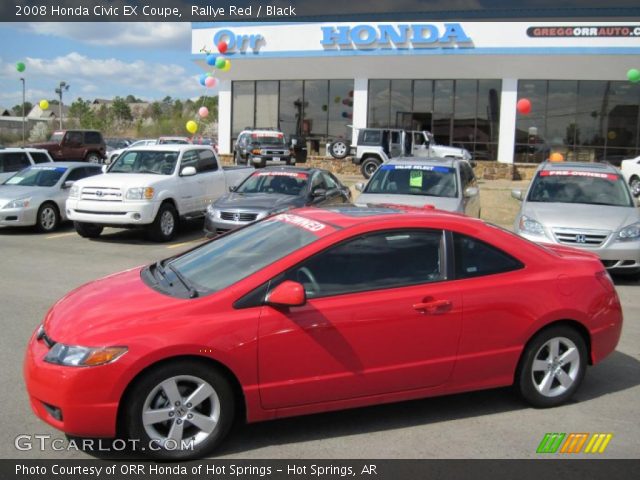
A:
524, 106
222, 46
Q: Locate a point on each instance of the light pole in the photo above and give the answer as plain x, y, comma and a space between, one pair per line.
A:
63, 87
23, 112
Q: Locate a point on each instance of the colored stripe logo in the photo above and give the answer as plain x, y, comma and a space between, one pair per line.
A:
574, 443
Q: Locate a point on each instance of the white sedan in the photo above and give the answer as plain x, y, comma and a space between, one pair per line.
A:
631, 172
114, 154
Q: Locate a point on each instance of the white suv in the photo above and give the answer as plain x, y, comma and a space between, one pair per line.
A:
13, 160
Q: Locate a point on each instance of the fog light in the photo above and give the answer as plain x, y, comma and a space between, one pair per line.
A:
55, 412
136, 216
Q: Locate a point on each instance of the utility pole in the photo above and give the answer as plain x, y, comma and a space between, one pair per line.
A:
23, 112
63, 87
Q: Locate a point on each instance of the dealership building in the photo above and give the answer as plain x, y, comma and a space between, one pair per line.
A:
459, 80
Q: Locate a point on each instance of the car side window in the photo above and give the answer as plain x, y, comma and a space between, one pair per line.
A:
207, 161
318, 182
329, 181
13, 161
93, 138
76, 174
474, 258
74, 138
372, 262
190, 159
468, 177
39, 157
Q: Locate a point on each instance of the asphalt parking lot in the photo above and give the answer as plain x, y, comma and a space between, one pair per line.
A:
37, 269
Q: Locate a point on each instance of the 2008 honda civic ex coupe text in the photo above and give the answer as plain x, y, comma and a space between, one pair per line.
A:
314, 310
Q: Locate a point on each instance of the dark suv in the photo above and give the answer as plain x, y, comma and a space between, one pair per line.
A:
76, 145
257, 147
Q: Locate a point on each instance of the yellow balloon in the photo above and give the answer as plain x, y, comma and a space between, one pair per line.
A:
44, 105
192, 127
556, 157
227, 66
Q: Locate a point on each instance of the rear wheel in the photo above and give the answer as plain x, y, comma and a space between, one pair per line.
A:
552, 366
182, 410
48, 218
93, 158
369, 166
165, 226
88, 230
634, 183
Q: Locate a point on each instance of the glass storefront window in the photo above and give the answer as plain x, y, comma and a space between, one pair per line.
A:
267, 104
379, 103
243, 94
291, 104
400, 103
340, 106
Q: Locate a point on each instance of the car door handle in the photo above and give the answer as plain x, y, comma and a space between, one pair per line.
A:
433, 307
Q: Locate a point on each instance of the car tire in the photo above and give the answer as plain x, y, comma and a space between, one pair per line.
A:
236, 158
93, 158
339, 149
88, 230
552, 366
634, 182
165, 391
48, 218
165, 226
369, 166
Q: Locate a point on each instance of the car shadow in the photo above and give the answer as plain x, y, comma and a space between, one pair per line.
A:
189, 231
64, 227
625, 280
617, 373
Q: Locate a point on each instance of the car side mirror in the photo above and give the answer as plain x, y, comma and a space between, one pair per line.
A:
359, 186
233, 188
68, 184
517, 194
104, 168
471, 192
188, 172
287, 294
319, 192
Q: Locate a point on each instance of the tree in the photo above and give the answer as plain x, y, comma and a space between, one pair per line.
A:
81, 110
39, 132
17, 110
132, 99
121, 110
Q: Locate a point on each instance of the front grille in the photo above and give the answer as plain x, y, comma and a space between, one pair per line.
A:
91, 212
238, 216
101, 194
580, 237
275, 152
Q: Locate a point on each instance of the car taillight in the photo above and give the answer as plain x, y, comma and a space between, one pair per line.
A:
605, 280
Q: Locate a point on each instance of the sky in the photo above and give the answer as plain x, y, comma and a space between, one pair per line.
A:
97, 60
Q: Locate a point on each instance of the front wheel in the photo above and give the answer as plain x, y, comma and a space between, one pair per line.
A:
165, 226
634, 184
88, 230
48, 218
93, 158
369, 166
181, 410
552, 367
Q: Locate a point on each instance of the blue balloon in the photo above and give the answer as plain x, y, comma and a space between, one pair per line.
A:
203, 77
211, 60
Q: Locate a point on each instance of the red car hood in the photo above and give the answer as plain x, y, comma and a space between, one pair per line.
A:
106, 311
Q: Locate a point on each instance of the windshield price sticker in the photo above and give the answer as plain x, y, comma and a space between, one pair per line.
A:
575, 173
426, 168
310, 225
267, 134
54, 169
281, 174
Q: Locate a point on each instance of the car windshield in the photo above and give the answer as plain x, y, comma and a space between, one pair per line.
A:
38, 176
432, 181
141, 143
173, 141
56, 137
116, 143
287, 183
576, 186
267, 138
145, 161
232, 257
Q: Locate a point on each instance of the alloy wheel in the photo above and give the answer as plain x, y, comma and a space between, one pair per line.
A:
556, 366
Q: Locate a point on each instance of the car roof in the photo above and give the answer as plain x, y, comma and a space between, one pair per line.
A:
436, 161
579, 166
22, 149
171, 147
71, 164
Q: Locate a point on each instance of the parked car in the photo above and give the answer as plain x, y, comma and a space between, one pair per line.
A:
151, 187
259, 147
75, 145
445, 183
631, 172
13, 160
315, 310
37, 194
583, 205
113, 154
378, 145
174, 141
270, 190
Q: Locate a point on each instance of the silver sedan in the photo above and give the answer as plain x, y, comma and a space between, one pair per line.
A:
37, 194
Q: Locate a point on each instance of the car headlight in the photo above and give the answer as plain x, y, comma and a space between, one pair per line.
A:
74, 356
140, 193
529, 225
18, 203
74, 192
630, 232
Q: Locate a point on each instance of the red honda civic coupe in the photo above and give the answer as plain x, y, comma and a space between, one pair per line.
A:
316, 310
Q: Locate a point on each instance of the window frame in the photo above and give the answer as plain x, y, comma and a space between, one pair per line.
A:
454, 258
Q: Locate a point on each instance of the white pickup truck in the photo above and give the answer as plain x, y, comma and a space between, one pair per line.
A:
151, 187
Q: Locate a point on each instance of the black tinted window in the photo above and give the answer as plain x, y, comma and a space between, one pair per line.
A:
474, 258
13, 162
93, 138
207, 161
371, 137
40, 157
190, 159
372, 262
